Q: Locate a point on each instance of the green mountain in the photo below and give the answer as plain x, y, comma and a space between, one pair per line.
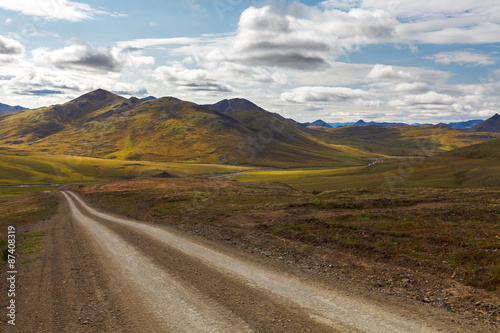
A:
103, 125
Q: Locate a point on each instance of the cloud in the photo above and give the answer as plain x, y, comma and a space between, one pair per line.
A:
151, 42
307, 38
381, 72
414, 87
429, 100
40, 92
189, 79
322, 94
40, 86
295, 37
436, 22
463, 57
82, 56
53, 9
10, 46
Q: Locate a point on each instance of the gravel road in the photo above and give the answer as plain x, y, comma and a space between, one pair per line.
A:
179, 304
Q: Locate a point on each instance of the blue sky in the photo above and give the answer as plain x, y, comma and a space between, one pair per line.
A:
338, 60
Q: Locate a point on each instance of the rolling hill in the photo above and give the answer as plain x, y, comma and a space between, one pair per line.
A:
103, 125
474, 166
400, 141
485, 150
26, 167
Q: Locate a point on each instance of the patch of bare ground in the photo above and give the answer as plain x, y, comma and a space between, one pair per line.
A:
65, 289
289, 233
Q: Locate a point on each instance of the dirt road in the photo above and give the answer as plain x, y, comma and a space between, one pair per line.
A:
104, 273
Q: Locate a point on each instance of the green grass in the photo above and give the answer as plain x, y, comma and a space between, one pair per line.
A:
30, 168
29, 243
436, 171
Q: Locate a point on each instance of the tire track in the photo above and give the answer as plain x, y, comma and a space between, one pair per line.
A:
325, 307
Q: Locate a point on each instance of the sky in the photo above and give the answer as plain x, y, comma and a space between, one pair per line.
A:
335, 60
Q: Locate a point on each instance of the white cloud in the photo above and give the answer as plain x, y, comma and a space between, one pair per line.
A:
10, 46
82, 56
322, 94
298, 37
429, 100
414, 87
152, 42
438, 22
381, 72
463, 57
53, 9
189, 79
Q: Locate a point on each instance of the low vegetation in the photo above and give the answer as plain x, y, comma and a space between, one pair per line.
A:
449, 232
19, 208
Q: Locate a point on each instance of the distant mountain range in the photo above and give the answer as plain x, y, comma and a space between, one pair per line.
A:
463, 124
456, 125
4, 108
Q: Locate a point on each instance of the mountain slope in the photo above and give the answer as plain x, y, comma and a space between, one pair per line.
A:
489, 125
272, 128
32, 125
104, 125
486, 150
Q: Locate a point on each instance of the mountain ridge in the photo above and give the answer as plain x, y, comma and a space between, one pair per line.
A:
233, 105
105, 125
489, 125
4, 108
